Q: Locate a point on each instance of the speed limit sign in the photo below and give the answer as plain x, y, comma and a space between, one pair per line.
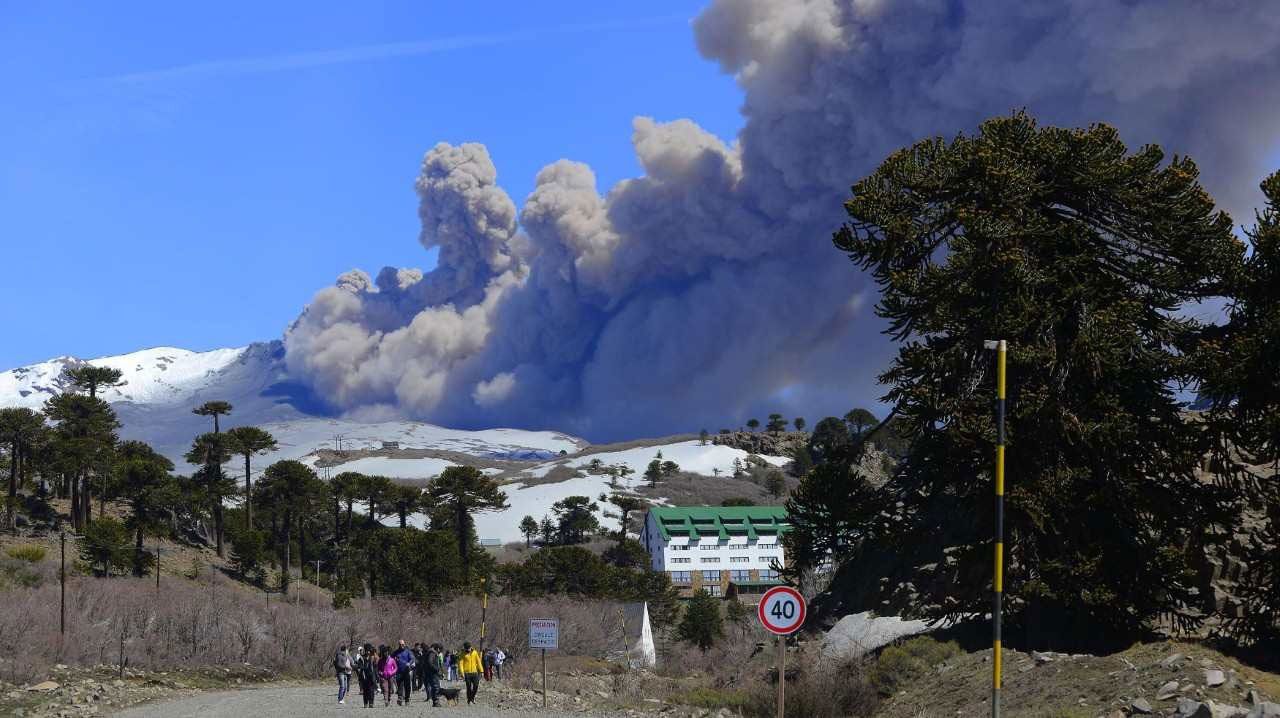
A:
781, 610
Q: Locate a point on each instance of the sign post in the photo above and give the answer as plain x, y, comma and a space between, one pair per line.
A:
781, 612
544, 633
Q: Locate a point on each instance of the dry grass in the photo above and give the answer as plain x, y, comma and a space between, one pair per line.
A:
213, 620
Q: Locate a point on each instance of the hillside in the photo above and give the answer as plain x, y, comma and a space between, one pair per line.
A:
537, 468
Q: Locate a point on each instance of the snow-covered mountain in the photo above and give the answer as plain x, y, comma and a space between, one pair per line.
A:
538, 468
161, 386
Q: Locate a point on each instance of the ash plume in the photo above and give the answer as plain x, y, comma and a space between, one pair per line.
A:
707, 290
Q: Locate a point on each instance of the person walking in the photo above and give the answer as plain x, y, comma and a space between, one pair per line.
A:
386, 673
486, 660
366, 673
470, 665
405, 664
431, 666
498, 659
451, 665
342, 668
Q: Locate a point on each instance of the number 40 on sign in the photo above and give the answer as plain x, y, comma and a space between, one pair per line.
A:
781, 610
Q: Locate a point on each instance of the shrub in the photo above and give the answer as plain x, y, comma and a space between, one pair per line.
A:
905, 662
27, 552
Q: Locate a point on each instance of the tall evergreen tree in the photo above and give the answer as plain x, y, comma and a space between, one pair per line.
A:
247, 441
210, 452
292, 490
143, 479
214, 409
463, 491
90, 378
776, 424
577, 518
528, 527
702, 623
1081, 255
20, 430
84, 434
859, 420
1237, 365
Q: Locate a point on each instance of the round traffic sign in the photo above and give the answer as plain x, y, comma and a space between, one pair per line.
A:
781, 610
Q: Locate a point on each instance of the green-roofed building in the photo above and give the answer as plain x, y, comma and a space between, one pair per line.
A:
714, 547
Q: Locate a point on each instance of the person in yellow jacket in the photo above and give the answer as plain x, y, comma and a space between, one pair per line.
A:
471, 667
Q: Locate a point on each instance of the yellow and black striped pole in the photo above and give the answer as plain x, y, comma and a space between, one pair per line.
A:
998, 582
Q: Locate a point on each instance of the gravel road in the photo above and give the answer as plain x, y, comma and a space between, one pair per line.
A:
318, 699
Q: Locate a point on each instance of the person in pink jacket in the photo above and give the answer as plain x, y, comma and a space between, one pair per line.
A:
386, 673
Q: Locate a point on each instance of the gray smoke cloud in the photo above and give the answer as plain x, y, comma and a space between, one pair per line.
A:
707, 289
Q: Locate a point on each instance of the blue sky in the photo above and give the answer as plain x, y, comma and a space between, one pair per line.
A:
173, 174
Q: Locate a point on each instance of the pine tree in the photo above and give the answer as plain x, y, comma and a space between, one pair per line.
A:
775, 484
20, 430
90, 378
215, 410
776, 424
465, 491
143, 478
859, 420
247, 441
702, 437
799, 423
753, 424
702, 623
84, 434
576, 517
210, 452
528, 527
1237, 365
1081, 255
654, 472
292, 490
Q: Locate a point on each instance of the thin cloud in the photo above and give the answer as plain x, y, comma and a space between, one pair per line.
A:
364, 53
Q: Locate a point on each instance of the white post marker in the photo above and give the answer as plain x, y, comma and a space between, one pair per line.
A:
544, 633
781, 612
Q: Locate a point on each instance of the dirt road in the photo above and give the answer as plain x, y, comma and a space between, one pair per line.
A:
320, 699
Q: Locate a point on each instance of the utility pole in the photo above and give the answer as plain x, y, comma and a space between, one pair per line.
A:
62, 581
998, 580
317, 578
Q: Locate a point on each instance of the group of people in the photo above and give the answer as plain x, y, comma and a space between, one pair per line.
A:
403, 670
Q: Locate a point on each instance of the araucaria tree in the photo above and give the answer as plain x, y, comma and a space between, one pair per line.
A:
210, 452
247, 441
292, 490
20, 430
90, 378
83, 437
1080, 254
143, 479
464, 491
1239, 367
214, 409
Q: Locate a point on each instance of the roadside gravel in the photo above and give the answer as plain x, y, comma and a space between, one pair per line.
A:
319, 699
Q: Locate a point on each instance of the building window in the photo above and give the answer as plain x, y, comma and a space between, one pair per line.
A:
735, 546
739, 559
710, 559
713, 589
680, 576
739, 575
681, 560
768, 575
762, 544
711, 577
708, 546
679, 547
